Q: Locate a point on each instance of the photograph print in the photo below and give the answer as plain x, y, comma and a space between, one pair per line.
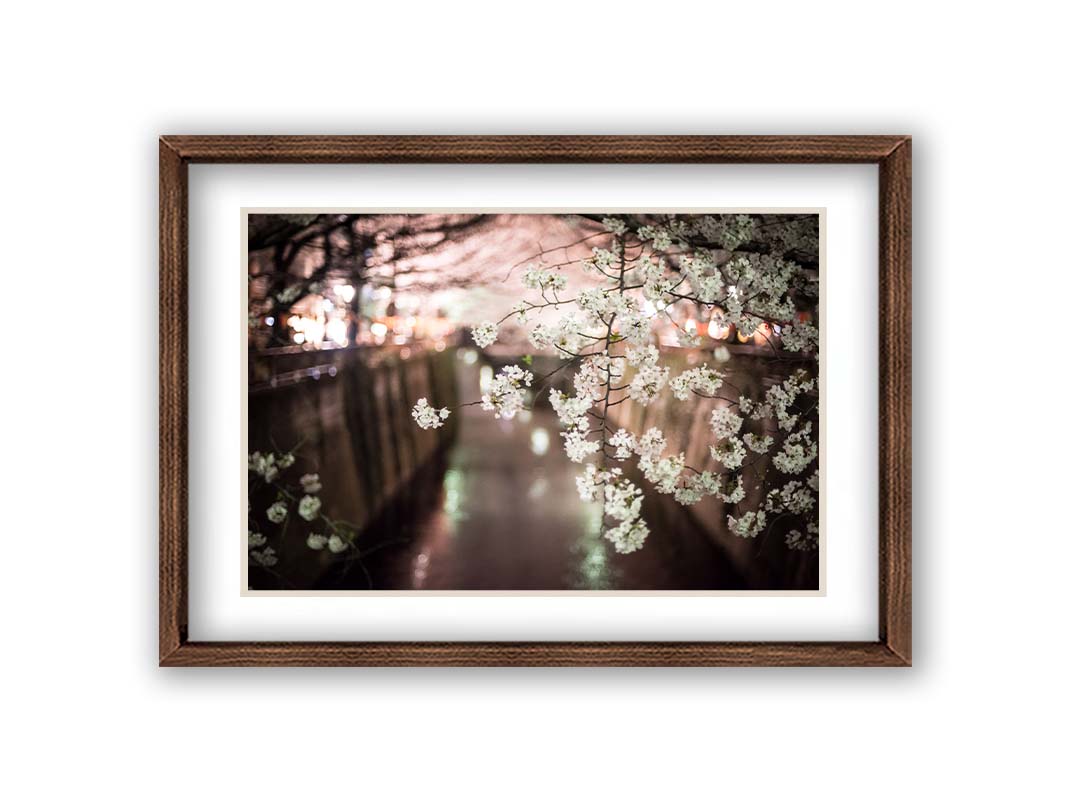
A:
533, 402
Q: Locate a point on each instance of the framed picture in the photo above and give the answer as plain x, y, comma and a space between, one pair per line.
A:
535, 401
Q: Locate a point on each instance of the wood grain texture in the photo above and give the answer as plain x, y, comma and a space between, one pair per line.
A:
534, 149
173, 400
534, 654
891, 153
894, 435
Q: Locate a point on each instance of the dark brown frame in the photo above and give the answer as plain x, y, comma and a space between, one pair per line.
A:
892, 154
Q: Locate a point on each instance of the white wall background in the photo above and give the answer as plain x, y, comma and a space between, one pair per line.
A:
86, 89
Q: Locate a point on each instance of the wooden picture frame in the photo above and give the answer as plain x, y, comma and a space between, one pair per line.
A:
892, 154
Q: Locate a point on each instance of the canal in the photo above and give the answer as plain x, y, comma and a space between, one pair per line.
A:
497, 510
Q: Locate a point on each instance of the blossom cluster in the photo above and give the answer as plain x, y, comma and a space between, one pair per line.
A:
426, 416
484, 334
800, 336
738, 273
544, 280
507, 391
803, 540
333, 542
572, 413
647, 384
781, 397
748, 525
729, 451
571, 410
793, 497
265, 557
797, 452
701, 380
622, 502
604, 261
270, 466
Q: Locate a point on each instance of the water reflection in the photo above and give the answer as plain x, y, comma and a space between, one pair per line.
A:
538, 488
539, 441
418, 573
592, 551
454, 486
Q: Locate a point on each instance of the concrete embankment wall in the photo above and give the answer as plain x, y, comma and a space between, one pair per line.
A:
687, 429
353, 427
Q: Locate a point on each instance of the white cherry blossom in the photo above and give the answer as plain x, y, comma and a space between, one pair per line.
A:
578, 448
647, 384
507, 391
651, 443
336, 544
277, 512
428, 417
308, 508
730, 452
628, 536
624, 443
484, 334
806, 540
757, 444
725, 422
544, 279
265, 557
747, 525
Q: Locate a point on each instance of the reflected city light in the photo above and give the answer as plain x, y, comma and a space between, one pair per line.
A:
538, 488
539, 441
455, 493
594, 568
421, 566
